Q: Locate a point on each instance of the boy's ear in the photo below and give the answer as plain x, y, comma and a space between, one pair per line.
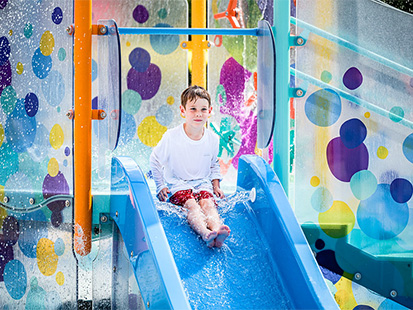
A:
181, 108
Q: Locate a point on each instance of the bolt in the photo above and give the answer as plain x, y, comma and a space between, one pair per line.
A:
148, 304
357, 276
226, 13
70, 30
31, 201
393, 293
315, 253
103, 218
69, 114
67, 203
300, 41
6, 199
131, 254
103, 114
116, 213
184, 44
102, 30
299, 92
114, 268
209, 44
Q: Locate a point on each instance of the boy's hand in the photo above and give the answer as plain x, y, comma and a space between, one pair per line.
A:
163, 194
218, 192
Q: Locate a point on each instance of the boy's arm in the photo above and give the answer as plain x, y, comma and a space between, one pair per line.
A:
155, 162
217, 189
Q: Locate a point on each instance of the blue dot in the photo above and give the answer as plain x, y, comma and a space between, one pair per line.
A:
4, 50
57, 15
65, 163
408, 148
15, 279
380, 217
323, 107
127, 128
94, 70
67, 151
164, 115
59, 247
31, 104
53, 87
401, 190
33, 227
164, 44
41, 64
140, 59
352, 133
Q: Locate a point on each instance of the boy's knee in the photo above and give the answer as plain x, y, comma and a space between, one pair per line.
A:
191, 204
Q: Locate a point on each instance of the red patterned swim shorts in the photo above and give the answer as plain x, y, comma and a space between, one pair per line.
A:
180, 197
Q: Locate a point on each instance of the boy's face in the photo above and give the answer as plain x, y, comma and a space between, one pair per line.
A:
196, 112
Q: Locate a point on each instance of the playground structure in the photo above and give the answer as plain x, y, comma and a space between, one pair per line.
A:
350, 80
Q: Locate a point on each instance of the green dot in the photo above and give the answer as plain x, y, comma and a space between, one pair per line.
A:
61, 54
58, 109
397, 114
28, 30
8, 99
162, 13
326, 76
131, 101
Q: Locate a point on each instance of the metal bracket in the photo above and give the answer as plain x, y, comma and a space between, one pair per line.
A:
188, 45
296, 92
297, 41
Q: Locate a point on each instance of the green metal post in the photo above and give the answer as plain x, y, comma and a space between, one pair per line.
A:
282, 69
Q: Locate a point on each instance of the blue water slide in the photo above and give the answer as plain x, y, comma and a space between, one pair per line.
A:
265, 263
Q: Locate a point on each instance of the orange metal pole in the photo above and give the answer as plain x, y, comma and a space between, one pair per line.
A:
199, 52
83, 126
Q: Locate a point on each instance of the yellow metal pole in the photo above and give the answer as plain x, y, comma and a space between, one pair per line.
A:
199, 48
83, 125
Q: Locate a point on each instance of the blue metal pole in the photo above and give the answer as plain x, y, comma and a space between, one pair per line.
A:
188, 31
282, 69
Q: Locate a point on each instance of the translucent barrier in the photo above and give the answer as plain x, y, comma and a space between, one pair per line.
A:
353, 179
37, 267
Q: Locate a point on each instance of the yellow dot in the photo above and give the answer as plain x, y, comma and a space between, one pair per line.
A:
56, 137
53, 167
127, 43
315, 181
19, 68
1, 134
10, 32
170, 100
338, 221
257, 151
367, 114
47, 43
382, 152
46, 257
60, 278
150, 131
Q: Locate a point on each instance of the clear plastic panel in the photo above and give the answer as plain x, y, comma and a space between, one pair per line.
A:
109, 100
265, 85
354, 170
154, 73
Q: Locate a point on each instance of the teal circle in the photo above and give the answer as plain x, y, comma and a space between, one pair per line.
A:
321, 200
36, 296
408, 148
162, 13
397, 114
363, 184
15, 279
164, 44
61, 54
9, 163
221, 97
8, 99
28, 30
59, 247
131, 101
326, 76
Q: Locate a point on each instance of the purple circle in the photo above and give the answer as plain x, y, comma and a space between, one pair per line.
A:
140, 59
3, 4
145, 83
5, 76
411, 82
67, 151
57, 15
320, 244
140, 14
352, 133
31, 104
353, 78
4, 50
401, 190
55, 186
344, 162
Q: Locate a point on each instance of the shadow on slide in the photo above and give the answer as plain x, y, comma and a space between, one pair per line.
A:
266, 262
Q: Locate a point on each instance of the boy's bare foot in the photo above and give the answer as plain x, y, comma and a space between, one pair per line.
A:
223, 233
209, 238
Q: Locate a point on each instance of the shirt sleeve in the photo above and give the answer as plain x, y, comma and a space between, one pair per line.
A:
215, 167
157, 160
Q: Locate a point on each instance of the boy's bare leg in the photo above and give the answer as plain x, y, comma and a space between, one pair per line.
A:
197, 220
214, 221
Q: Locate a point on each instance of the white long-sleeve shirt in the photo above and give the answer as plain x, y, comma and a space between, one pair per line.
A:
180, 163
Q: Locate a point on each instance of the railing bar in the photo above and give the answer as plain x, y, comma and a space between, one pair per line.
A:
188, 31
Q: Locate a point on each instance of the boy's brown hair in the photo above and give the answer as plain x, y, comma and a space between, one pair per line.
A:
193, 92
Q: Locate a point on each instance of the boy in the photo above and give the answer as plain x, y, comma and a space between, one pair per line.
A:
185, 164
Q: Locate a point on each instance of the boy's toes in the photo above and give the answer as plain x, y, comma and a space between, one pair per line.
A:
223, 233
210, 238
